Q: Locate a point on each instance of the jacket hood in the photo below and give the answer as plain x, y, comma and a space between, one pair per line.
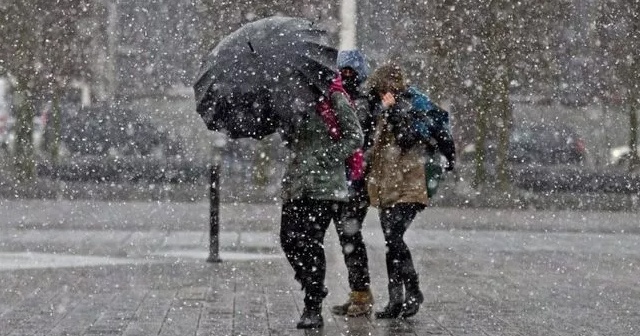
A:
355, 60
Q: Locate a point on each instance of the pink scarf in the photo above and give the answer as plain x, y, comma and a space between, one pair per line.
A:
355, 163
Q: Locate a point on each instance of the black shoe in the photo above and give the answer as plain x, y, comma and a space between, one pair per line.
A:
310, 319
412, 304
391, 310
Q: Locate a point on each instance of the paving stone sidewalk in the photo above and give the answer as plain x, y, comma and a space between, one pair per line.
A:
100, 269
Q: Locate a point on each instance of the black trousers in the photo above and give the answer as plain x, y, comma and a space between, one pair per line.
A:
395, 221
303, 225
349, 228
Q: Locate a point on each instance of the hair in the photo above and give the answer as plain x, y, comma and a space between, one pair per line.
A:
387, 78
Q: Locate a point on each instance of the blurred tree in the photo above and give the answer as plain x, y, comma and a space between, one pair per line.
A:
19, 36
491, 95
450, 48
540, 53
502, 51
631, 77
53, 131
42, 47
446, 40
602, 18
618, 33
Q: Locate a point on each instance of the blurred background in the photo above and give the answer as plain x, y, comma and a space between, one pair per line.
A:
96, 96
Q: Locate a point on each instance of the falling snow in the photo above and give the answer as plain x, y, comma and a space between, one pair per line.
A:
100, 130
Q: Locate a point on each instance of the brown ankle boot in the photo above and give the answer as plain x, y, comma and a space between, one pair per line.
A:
361, 303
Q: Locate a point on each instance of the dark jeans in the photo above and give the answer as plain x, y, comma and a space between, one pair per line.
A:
395, 221
349, 227
303, 226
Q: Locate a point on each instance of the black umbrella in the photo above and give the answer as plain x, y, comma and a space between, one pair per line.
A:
264, 75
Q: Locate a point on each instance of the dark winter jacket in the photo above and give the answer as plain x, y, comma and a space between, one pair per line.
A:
317, 161
357, 187
356, 61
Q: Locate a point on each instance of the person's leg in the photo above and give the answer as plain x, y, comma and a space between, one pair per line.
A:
413, 295
349, 228
394, 221
302, 236
353, 247
291, 235
395, 286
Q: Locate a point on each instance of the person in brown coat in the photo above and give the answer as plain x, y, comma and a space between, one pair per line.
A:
396, 185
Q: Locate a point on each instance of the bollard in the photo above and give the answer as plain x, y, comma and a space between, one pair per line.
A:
214, 213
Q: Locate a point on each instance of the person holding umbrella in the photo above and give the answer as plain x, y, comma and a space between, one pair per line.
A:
276, 75
314, 189
353, 71
397, 182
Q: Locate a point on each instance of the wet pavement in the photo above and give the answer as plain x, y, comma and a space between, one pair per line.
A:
101, 268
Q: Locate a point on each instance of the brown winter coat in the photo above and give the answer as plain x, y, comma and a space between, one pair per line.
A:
395, 176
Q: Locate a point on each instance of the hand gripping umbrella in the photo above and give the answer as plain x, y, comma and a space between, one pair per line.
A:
263, 76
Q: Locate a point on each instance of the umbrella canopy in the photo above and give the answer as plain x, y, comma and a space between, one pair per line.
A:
264, 75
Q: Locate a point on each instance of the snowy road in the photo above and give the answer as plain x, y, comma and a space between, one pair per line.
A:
86, 268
